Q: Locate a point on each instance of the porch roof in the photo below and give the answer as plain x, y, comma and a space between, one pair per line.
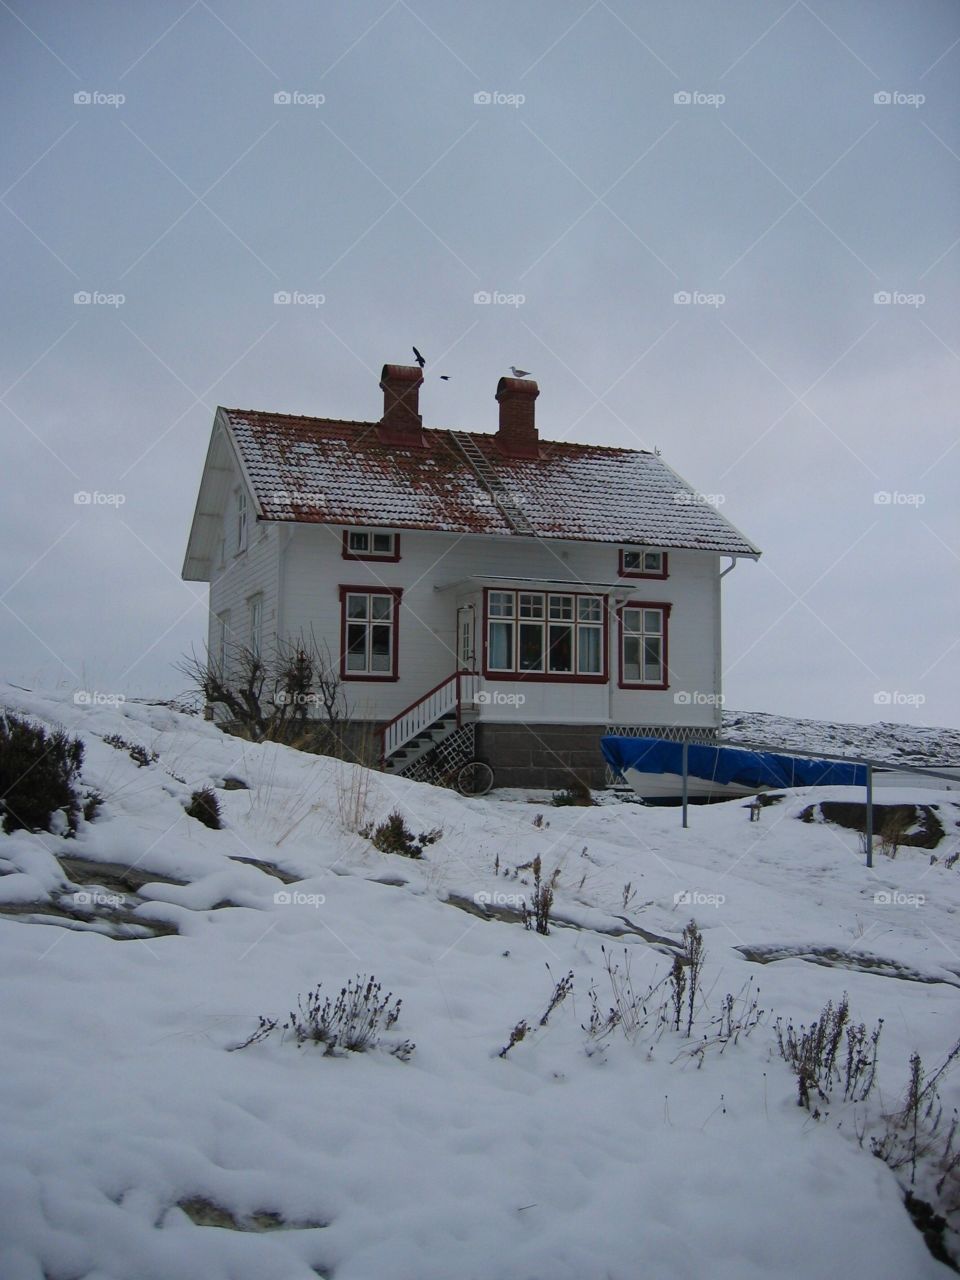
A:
568, 584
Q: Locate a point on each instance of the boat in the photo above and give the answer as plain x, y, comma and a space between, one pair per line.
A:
653, 767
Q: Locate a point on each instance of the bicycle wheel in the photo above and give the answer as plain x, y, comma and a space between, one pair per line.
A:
474, 779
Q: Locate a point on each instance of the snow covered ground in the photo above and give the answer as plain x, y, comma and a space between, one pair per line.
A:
129, 1124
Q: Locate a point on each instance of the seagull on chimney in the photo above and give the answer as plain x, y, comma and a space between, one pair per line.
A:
519, 373
419, 358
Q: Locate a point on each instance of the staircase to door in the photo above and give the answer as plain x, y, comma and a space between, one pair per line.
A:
435, 734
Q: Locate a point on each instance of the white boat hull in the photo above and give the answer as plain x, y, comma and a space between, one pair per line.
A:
669, 786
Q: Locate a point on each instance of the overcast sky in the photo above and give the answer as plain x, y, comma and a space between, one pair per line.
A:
783, 197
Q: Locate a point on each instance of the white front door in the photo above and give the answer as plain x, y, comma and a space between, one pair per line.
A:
466, 653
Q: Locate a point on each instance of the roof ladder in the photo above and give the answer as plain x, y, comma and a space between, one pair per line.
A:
486, 473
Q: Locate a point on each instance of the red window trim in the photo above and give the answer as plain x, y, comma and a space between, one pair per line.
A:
368, 590
665, 610
623, 572
347, 554
547, 677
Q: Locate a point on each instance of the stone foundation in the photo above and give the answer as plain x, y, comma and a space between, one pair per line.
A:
543, 755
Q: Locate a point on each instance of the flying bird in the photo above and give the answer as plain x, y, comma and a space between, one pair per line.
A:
519, 373
444, 377
419, 358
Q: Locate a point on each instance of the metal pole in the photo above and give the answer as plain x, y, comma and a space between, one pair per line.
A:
685, 744
869, 815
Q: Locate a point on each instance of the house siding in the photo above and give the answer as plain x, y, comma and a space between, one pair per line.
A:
314, 570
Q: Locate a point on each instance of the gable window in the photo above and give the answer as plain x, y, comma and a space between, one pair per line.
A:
369, 623
371, 544
255, 604
241, 520
641, 562
643, 645
545, 635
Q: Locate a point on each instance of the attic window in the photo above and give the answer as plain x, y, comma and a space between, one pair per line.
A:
241, 520
640, 562
371, 544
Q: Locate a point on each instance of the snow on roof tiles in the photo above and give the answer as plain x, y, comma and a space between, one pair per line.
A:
323, 470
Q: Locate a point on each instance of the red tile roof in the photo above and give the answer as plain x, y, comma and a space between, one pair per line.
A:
329, 471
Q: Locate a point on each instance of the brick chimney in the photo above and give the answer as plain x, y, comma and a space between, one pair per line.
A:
517, 435
401, 423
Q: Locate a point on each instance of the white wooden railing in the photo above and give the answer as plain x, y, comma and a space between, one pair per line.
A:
449, 695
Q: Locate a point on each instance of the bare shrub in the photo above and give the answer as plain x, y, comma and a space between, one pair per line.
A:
538, 916
205, 807
394, 836
351, 1023
815, 1056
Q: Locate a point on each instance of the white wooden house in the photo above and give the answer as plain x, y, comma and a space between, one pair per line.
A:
539, 593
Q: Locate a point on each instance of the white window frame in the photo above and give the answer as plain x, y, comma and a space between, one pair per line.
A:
642, 633
241, 520
368, 621
546, 611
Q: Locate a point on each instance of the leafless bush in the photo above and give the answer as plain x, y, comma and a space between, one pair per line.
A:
538, 916
816, 1057
521, 1030
293, 694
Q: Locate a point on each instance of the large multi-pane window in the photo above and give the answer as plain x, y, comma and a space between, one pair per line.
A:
643, 645
545, 633
369, 640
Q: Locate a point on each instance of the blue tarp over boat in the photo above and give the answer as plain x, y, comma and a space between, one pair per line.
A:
729, 765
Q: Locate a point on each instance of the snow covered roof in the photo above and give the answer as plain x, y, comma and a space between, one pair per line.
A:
323, 470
